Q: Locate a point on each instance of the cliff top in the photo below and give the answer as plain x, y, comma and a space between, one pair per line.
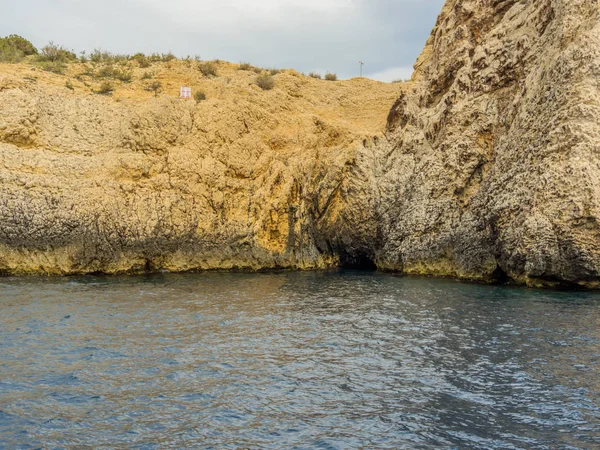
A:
358, 104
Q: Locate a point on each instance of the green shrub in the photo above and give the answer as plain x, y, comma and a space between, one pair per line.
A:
105, 72
88, 71
124, 75
199, 96
54, 58
101, 56
96, 56
330, 76
208, 69
315, 75
13, 48
147, 76
142, 60
9, 53
118, 74
274, 72
106, 88
167, 57
155, 86
69, 85
22, 44
56, 53
245, 66
257, 70
265, 82
119, 58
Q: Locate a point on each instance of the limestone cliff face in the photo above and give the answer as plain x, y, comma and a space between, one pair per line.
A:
245, 180
492, 167
489, 167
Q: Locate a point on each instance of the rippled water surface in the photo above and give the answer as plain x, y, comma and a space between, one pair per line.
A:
295, 360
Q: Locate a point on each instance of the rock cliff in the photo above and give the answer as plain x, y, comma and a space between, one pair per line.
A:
247, 179
487, 169
492, 168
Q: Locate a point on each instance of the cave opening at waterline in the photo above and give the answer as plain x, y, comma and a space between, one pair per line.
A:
359, 261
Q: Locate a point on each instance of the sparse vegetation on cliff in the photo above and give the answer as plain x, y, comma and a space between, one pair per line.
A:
56, 53
115, 73
92, 69
106, 88
54, 58
104, 57
154, 86
14, 48
265, 82
122, 68
167, 57
9, 54
208, 69
199, 96
21, 44
142, 60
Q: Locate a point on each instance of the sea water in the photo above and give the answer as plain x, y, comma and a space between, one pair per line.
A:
331, 360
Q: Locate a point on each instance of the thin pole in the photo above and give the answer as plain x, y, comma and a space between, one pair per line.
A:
361, 64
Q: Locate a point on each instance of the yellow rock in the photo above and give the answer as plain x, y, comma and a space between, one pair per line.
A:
130, 182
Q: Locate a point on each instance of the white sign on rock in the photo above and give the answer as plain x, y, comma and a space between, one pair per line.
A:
185, 92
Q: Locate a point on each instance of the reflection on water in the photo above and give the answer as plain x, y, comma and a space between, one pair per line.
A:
296, 360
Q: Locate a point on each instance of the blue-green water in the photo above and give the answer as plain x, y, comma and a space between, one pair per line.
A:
296, 360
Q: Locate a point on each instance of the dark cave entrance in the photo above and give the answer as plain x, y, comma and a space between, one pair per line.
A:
359, 261
499, 276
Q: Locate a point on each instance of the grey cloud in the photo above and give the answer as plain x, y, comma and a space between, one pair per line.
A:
386, 34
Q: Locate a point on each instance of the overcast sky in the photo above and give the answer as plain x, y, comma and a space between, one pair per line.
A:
307, 35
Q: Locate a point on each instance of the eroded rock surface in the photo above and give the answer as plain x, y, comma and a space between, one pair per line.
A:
493, 167
245, 180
